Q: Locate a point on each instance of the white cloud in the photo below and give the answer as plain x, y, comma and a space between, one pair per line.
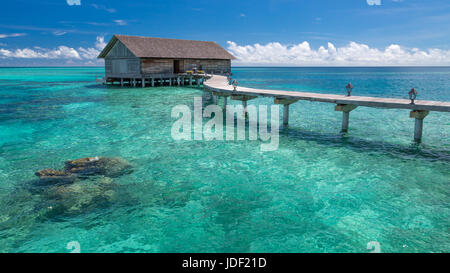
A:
374, 2
61, 52
2, 36
100, 43
88, 53
353, 54
120, 22
102, 7
59, 32
73, 2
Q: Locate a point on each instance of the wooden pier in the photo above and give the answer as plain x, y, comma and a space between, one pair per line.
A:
219, 86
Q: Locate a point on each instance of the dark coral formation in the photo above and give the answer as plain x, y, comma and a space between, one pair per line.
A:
83, 184
107, 166
85, 167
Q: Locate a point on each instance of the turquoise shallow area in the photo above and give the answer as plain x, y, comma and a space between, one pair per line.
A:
319, 192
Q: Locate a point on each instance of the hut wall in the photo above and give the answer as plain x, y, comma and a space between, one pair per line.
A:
209, 66
120, 61
157, 66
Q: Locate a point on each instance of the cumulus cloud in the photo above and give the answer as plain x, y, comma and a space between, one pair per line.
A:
100, 43
374, 2
353, 54
61, 52
73, 2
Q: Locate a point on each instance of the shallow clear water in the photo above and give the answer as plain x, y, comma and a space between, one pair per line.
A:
319, 192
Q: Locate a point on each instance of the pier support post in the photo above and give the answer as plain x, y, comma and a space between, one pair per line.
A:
244, 100
286, 103
153, 82
170, 81
244, 104
143, 82
286, 115
121, 82
419, 116
345, 109
223, 95
190, 81
225, 100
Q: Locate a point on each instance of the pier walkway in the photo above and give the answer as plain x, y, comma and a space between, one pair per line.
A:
219, 86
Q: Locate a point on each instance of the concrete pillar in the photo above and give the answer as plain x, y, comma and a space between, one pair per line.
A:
286, 114
143, 82
121, 82
345, 109
134, 82
345, 121
153, 82
170, 81
244, 103
286, 103
419, 116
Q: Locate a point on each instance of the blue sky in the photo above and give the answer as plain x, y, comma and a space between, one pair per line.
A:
273, 32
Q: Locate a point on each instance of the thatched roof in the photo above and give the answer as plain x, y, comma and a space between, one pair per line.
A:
147, 47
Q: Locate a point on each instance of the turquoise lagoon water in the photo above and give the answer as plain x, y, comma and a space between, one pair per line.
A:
319, 192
